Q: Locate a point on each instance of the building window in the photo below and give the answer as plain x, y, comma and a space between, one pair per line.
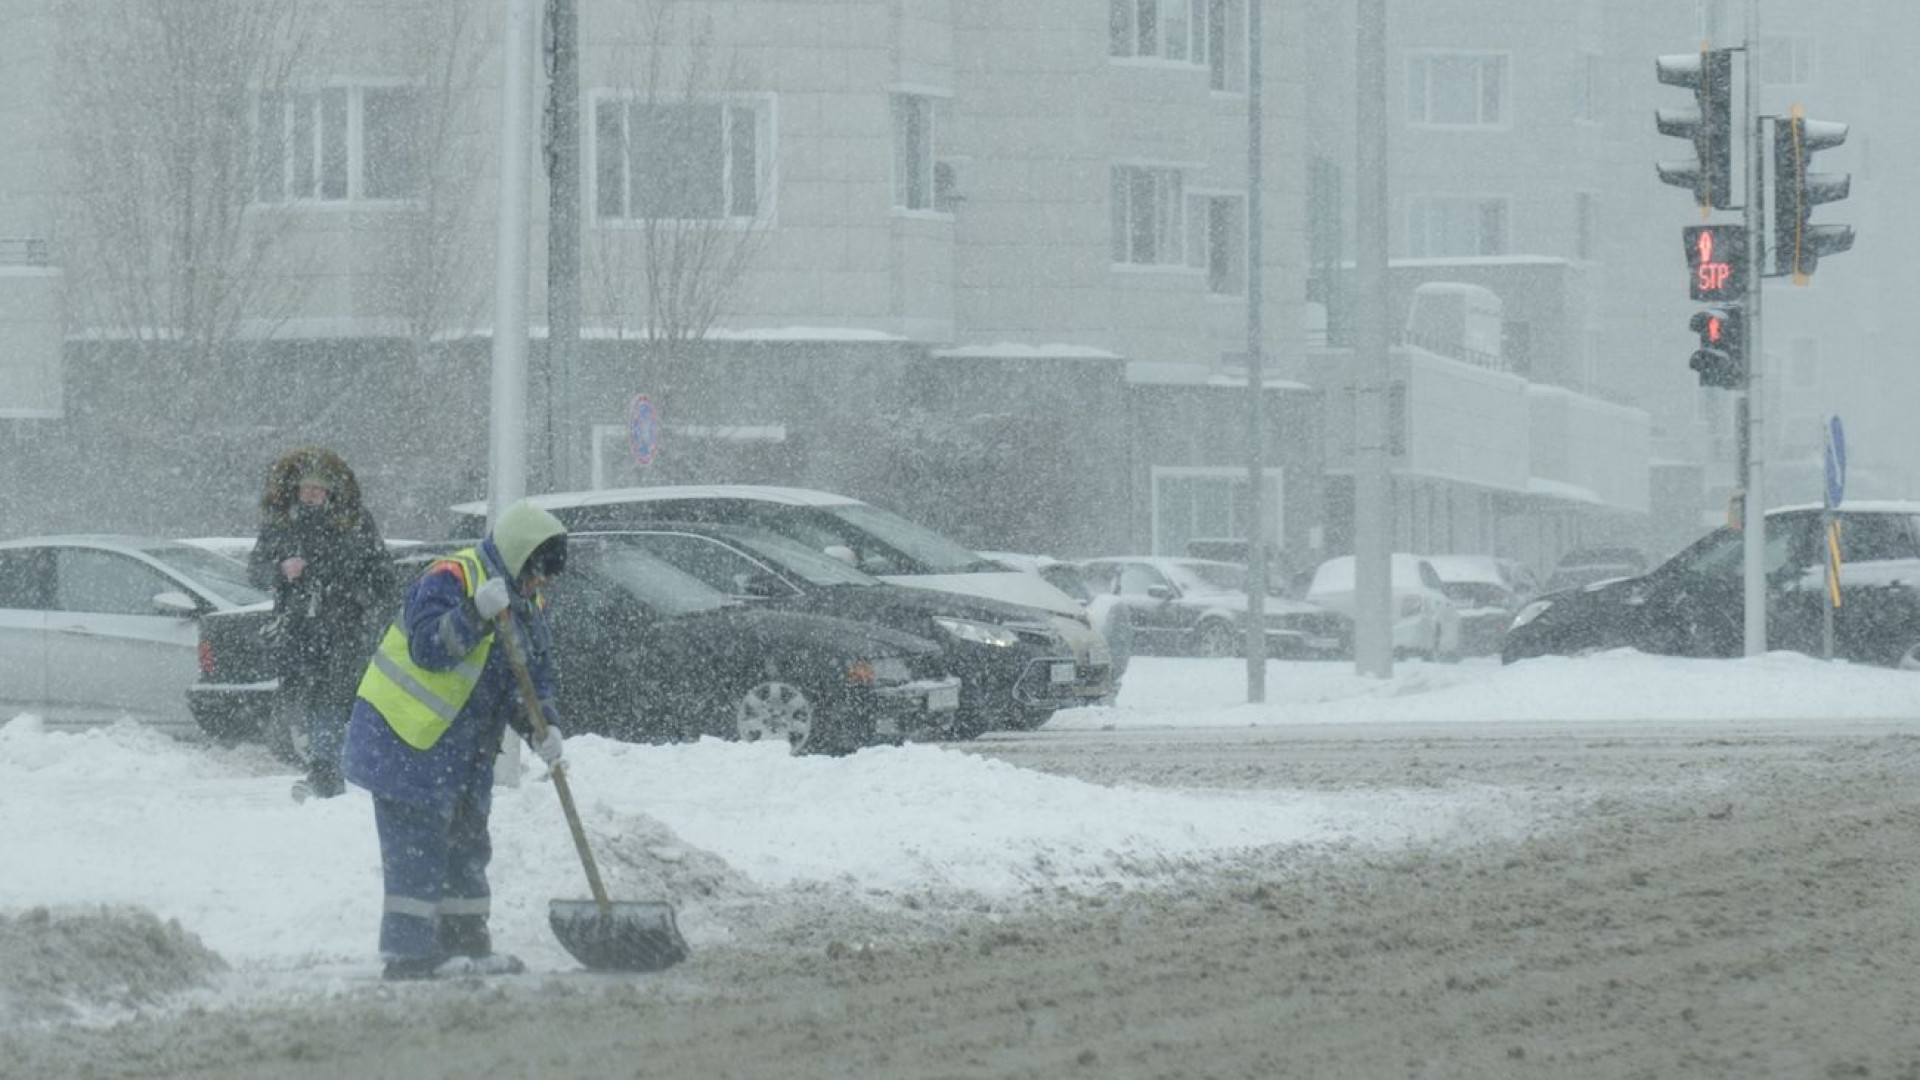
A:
1204, 503
1227, 45
1456, 227
916, 185
1786, 61
1457, 89
1583, 238
1147, 209
1162, 29
1588, 88
680, 160
339, 143
1217, 241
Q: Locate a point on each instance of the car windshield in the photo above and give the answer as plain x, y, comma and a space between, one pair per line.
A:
798, 559
1207, 577
654, 583
224, 577
933, 553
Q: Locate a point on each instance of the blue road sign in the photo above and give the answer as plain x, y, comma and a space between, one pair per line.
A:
1836, 463
643, 430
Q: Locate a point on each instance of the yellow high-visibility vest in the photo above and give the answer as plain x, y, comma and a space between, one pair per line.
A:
419, 705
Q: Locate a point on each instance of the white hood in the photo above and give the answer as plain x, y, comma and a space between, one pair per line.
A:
1012, 586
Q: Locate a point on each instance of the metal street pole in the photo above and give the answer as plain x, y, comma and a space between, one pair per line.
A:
507, 450
1372, 486
1755, 511
1256, 645
563, 245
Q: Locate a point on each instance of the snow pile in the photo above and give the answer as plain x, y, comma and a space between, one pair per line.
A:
60, 966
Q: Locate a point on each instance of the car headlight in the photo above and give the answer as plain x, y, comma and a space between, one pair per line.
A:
977, 632
890, 669
1530, 612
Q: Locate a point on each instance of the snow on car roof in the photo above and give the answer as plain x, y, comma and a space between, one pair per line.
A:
557, 500
1460, 568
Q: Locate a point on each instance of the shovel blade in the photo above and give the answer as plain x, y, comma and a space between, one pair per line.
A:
625, 936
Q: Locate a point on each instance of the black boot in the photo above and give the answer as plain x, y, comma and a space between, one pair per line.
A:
465, 935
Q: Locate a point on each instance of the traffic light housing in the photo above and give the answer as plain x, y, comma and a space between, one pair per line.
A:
1709, 124
1721, 359
1797, 243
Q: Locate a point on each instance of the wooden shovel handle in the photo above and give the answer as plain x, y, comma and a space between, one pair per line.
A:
530, 698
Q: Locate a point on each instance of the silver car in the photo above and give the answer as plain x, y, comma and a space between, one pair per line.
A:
95, 629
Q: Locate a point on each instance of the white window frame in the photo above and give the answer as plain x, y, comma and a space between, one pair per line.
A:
1420, 69
1200, 204
1586, 109
766, 127
1187, 48
1227, 58
1789, 59
932, 106
1227, 475
352, 96
1421, 233
1586, 226
1169, 210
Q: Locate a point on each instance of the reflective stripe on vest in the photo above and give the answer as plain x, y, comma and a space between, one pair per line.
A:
419, 705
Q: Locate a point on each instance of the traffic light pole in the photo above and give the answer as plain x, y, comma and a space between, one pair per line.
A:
1753, 401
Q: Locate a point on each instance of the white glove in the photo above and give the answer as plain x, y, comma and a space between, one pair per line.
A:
549, 747
492, 598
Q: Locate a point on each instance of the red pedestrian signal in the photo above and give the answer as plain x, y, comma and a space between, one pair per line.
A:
1716, 262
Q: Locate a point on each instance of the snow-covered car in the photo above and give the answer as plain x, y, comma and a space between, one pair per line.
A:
95, 629
1489, 591
1694, 604
1109, 617
874, 540
1199, 607
1425, 622
1587, 565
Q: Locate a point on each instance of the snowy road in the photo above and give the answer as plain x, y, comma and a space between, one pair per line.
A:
1654, 896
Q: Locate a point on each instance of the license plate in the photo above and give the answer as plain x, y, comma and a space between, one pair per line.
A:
943, 699
886, 725
1061, 673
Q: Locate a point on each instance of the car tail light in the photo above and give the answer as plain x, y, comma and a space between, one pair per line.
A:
205, 655
860, 672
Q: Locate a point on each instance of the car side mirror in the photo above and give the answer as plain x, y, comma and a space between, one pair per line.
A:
1160, 592
842, 552
175, 603
757, 585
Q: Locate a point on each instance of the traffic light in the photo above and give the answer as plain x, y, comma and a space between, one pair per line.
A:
1716, 262
1798, 244
1709, 73
1721, 359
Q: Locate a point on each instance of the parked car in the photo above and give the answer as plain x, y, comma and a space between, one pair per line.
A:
1198, 607
1109, 618
876, 541
1584, 566
1425, 623
1015, 669
647, 652
1489, 591
99, 628
1694, 604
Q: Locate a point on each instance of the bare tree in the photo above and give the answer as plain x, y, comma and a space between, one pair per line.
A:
680, 163
438, 256
169, 255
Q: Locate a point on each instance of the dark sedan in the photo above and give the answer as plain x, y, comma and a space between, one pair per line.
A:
1015, 668
1694, 603
649, 653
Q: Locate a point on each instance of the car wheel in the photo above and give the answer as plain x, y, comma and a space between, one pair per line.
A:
1219, 639
287, 736
774, 709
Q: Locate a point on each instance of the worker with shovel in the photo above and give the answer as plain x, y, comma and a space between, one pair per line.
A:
432, 708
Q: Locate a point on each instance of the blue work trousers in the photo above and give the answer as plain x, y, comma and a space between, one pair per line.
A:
434, 857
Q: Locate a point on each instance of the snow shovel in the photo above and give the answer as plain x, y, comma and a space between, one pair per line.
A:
603, 934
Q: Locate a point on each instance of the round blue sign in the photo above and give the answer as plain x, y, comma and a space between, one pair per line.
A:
643, 430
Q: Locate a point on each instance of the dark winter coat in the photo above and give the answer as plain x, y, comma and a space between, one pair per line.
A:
329, 619
442, 629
